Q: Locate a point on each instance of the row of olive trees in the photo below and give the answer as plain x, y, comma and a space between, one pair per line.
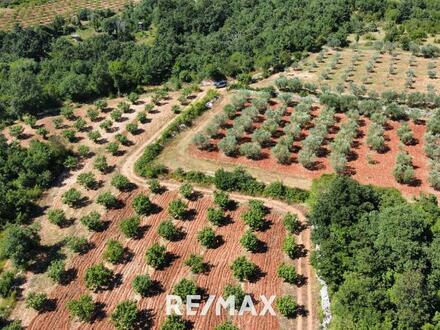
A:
432, 149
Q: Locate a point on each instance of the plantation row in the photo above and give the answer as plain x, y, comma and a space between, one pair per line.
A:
98, 277
252, 117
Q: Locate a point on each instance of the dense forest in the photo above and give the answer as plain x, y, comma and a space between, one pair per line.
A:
42, 66
379, 255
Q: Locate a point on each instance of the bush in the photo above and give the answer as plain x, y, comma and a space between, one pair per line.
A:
37, 301
112, 148
69, 135
92, 221
114, 252
255, 216
121, 182
226, 326
154, 186
133, 97
57, 271
287, 306
71, 197
57, 217
156, 256
93, 114
243, 269
43, 132
207, 238
403, 169
130, 226
77, 244
177, 209
124, 107
185, 288
290, 247
143, 285
16, 131
83, 151
228, 145
216, 216
201, 141
101, 164
82, 308
196, 263
234, 291
250, 241
67, 112
87, 180
221, 198
287, 273
375, 138
107, 200
80, 124
174, 322
186, 190
251, 150
261, 136
434, 176
168, 230
98, 277
142, 205
116, 115
291, 223
125, 315
7, 283
405, 134
94, 136
281, 152
132, 128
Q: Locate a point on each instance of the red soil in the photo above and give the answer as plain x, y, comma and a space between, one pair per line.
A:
214, 282
380, 173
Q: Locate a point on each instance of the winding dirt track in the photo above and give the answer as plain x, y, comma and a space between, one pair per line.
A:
219, 258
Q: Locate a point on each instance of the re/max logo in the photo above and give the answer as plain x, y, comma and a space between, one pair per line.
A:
192, 305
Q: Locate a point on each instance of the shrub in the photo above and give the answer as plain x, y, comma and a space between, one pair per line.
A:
71, 197
156, 256
30, 120
57, 122
196, 263
142, 205
154, 186
290, 247
186, 190
83, 308
98, 277
101, 164
291, 223
130, 226
405, 134
177, 209
403, 169
142, 117
37, 301
243, 269
83, 151
375, 138
132, 128
116, 115
338, 161
261, 136
7, 283
251, 150
228, 145
87, 180
226, 326
67, 112
101, 104
216, 216
80, 124
176, 109
221, 198
77, 244
287, 273
133, 97
93, 114
107, 200
114, 252
255, 216
168, 230
121, 182
434, 175
43, 132
124, 106
229, 110
250, 241
57, 271
287, 306
125, 315
57, 217
306, 157
185, 288
143, 285
174, 322
69, 135
201, 141
92, 221
281, 153
234, 291
112, 148
94, 136
207, 237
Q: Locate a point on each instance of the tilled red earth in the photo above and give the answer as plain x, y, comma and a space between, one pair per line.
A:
219, 275
365, 165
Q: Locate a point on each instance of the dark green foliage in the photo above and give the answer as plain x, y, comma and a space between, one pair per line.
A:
216, 216
107, 200
57, 217
228, 325
235, 291
287, 273
130, 226
7, 283
177, 209
168, 230
291, 222
250, 241
92, 221
243, 269
19, 244
221, 198
174, 322
125, 315
185, 288
57, 271
156, 256
143, 285
101, 164
36, 301
88, 180
255, 216
142, 205
77, 244
114, 252
196, 263
82, 308
71, 197
154, 186
287, 306
98, 277
186, 190
207, 237
121, 182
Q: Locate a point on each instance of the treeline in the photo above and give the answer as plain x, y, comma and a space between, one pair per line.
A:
24, 174
378, 254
